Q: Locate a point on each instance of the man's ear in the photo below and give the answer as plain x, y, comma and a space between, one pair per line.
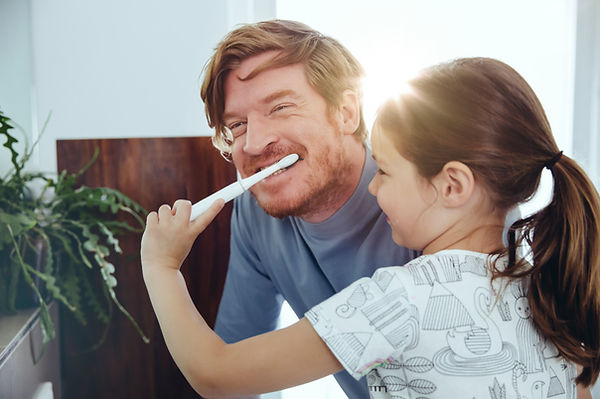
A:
349, 111
455, 184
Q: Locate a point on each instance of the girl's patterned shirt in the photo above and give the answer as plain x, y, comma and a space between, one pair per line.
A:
437, 328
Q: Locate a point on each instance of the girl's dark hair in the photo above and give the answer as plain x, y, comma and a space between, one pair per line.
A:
481, 112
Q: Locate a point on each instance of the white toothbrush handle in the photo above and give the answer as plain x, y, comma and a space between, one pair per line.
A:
234, 189
228, 193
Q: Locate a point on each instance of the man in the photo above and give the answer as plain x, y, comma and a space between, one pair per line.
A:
271, 89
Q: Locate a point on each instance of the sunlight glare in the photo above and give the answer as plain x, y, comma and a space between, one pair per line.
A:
384, 81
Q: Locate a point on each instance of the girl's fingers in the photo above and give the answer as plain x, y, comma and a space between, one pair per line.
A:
182, 208
152, 218
200, 223
181, 212
164, 212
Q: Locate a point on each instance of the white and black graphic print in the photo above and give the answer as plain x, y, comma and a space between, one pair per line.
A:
437, 328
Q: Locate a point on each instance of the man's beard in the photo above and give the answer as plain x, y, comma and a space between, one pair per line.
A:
321, 190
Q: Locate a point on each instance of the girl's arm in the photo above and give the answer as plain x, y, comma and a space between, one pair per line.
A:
265, 363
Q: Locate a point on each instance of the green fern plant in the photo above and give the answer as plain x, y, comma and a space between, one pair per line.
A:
71, 230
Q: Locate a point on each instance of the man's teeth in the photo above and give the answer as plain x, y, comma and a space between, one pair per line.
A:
279, 171
274, 173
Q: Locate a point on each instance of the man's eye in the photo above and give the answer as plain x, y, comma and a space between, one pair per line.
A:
237, 128
280, 107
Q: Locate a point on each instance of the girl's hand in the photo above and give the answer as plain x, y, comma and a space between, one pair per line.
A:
169, 234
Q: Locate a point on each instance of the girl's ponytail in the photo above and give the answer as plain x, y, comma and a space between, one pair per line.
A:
565, 279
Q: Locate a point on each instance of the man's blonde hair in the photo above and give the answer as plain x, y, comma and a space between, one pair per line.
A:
329, 66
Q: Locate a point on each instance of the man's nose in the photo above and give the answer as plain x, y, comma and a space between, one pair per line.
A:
259, 135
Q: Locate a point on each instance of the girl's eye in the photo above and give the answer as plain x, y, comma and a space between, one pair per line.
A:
380, 172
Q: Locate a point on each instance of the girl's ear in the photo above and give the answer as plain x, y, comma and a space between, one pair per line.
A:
455, 184
349, 111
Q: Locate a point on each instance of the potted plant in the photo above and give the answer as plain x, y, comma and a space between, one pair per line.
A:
56, 241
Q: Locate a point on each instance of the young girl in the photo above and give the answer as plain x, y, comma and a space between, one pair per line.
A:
469, 318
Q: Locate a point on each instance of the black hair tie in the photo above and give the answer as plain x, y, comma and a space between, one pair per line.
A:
553, 161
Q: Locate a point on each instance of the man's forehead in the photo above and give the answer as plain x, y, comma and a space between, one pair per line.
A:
250, 64
266, 86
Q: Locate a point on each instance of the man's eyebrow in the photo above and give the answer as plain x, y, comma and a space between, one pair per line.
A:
278, 94
271, 97
227, 115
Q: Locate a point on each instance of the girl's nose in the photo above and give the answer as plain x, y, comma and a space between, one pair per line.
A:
373, 186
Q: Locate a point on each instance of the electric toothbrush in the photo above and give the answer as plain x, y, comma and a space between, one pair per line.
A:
235, 189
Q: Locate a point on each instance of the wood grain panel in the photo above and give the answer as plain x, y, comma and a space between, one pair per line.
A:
151, 171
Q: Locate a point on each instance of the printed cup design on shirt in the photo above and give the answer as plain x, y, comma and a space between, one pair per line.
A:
358, 298
474, 348
395, 318
383, 279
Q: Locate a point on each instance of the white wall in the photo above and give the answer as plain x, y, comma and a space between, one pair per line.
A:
15, 69
115, 68
586, 116
395, 39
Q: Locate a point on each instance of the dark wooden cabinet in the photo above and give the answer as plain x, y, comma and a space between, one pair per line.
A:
151, 171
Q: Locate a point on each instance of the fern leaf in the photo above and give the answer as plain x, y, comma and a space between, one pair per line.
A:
46, 324
5, 126
70, 286
65, 244
79, 246
110, 238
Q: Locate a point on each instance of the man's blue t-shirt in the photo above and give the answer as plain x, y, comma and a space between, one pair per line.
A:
304, 263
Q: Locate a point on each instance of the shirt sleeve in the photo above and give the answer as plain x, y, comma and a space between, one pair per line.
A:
250, 304
369, 323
